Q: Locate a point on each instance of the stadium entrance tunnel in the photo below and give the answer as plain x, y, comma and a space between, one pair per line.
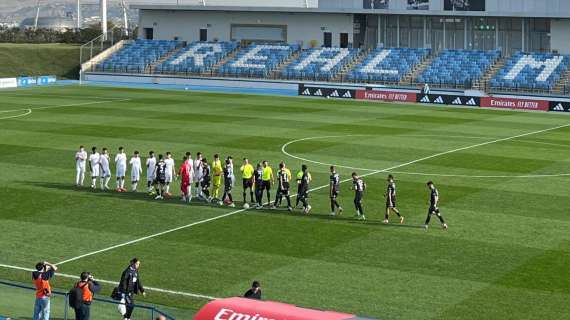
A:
249, 309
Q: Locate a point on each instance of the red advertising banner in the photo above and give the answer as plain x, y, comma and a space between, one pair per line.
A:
249, 309
386, 95
511, 103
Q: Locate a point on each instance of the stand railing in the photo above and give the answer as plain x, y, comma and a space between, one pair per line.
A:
16, 304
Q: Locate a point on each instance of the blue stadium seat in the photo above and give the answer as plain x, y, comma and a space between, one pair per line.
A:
258, 60
197, 57
539, 71
456, 67
320, 64
136, 56
388, 64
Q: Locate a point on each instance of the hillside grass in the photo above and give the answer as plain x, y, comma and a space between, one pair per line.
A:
61, 60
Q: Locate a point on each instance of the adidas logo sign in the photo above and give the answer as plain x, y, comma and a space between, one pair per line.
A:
318, 93
306, 92
559, 107
347, 95
439, 100
471, 102
425, 99
334, 94
457, 101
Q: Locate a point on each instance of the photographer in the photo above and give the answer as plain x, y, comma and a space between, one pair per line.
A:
88, 286
130, 285
44, 272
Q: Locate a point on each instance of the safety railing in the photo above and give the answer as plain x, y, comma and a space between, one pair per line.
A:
17, 302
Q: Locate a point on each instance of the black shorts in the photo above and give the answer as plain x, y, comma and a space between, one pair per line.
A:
303, 194
334, 194
266, 185
160, 181
228, 185
391, 204
284, 191
433, 210
247, 183
205, 183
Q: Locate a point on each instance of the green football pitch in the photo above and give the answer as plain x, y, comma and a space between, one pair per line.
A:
503, 179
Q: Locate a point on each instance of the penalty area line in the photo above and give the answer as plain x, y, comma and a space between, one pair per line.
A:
311, 190
69, 276
27, 113
65, 105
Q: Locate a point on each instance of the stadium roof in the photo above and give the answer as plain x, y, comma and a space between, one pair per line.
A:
347, 11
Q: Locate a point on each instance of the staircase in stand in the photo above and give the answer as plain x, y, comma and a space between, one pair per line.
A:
224, 60
409, 78
483, 83
152, 67
277, 73
341, 76
563, 85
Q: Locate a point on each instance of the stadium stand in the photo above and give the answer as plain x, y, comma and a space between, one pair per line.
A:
136, 56
387, 65
258, 60
536, 71
197, 57
458, 68
320, 64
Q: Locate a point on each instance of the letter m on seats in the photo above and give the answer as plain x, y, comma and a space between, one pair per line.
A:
548, 65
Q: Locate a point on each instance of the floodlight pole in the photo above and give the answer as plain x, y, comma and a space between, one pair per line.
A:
37, 16
104, 18
79, 15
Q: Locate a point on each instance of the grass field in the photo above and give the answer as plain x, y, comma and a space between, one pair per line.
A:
503, 178
17, 59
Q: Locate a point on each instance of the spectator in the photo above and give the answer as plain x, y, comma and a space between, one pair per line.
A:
89, 287
426, 89
41, 277
130, 285
254, 292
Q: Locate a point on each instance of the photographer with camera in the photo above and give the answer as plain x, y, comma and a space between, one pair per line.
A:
81, 296
130, 285
41, 277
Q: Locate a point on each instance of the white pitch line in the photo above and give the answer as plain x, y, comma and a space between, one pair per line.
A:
65, 105
28, 112
69, 276
314, 189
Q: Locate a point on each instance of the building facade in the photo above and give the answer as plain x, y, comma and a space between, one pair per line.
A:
507, 25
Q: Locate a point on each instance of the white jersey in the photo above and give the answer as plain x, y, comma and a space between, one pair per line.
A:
197, 169
80, 159
191, 169
150, 167
136, 168
94, 160
105, 167
121, 164
169, 169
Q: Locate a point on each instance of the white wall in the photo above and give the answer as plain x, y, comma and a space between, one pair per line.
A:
168, 24
559, 39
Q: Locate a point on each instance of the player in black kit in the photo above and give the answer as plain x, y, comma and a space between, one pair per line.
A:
303, 180
391, 200
283, 189
205, 180
433, 206
358, 186
258, 180
160, 177
334, 189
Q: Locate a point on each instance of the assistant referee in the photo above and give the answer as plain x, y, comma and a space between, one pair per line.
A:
247, 178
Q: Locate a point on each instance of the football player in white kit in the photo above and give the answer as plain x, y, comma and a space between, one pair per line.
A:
136, 171
121, 167
150, 168
105, 169
94, 166
80, 162
170, 172
198, 174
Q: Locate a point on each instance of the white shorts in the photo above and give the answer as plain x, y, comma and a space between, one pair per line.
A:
105, 172
150, 177
95, 171
135, 176
168, 178
80, 168
121, 171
